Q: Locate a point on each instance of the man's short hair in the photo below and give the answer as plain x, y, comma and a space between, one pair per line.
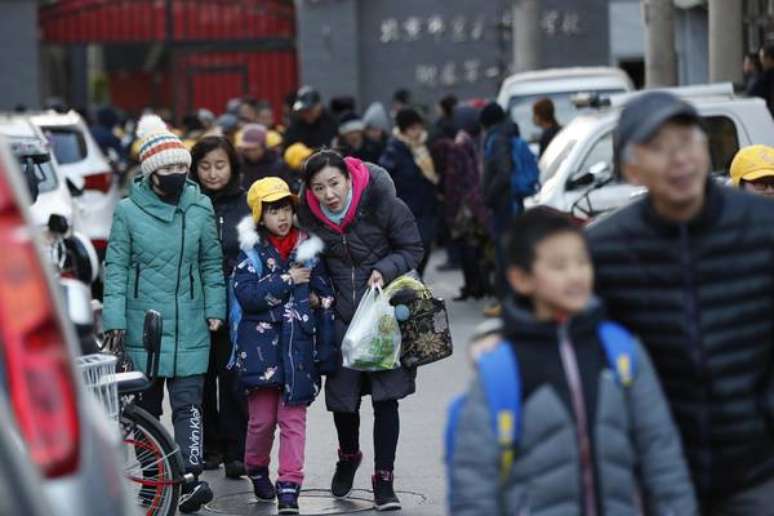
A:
532, 227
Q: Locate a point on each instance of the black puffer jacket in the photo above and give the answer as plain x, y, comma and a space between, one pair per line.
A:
701, 296
382, 236
230, 206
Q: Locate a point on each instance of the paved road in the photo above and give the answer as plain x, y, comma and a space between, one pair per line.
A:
419, 467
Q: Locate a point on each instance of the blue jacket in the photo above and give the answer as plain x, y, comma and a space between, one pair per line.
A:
282, 341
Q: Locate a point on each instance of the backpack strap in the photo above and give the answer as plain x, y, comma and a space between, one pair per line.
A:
621, 350
499, 372
255, 260
234, 309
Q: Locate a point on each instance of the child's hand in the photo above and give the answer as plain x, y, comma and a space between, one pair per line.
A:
376, 279
314, 300
300, 275
214, 324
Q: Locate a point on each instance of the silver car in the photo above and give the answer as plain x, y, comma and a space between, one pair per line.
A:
53, 420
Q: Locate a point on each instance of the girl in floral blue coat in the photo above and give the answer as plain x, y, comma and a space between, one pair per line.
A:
285, 338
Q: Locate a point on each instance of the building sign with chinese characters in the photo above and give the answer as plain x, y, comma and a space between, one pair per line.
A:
435, 47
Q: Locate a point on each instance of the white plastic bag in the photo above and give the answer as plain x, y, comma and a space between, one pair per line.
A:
372, 341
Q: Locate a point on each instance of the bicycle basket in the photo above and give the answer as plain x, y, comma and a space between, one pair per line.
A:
99, 376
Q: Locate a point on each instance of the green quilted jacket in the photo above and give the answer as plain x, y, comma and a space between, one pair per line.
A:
167, 258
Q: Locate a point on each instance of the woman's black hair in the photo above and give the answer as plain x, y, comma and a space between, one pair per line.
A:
407, 117
321, 159
209, 144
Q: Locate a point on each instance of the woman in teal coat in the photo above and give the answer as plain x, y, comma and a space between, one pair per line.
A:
164, 254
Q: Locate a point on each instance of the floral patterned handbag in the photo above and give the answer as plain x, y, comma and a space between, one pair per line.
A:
425, 335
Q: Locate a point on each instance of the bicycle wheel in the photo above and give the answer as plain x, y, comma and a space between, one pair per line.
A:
154, 464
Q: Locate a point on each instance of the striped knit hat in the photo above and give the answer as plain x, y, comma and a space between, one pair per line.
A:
158, 146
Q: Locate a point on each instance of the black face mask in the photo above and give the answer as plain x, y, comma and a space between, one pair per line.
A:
171, 186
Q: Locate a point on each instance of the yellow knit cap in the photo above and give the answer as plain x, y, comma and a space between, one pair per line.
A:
296, 154
268, 189
751, 163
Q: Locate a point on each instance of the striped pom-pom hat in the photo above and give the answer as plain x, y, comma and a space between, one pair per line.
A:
158, 146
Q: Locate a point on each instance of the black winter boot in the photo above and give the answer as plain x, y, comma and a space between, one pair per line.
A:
344, 476
384, 495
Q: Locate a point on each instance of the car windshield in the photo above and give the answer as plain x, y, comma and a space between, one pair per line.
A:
520, 108
46, 175
68, 144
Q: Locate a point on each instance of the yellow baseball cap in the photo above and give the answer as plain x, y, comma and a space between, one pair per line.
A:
751, 163
296, 154
268, 189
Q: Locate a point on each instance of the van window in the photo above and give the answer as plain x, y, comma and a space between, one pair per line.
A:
69, 144
520, 108
723, 142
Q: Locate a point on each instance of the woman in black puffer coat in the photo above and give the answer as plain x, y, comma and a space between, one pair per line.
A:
370, 238
215, 167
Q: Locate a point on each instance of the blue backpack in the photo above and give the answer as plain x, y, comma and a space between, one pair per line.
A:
525, 174
499, 371
234, 308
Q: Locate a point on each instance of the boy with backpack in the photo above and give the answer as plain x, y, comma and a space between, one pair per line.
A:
283, 334
565, 415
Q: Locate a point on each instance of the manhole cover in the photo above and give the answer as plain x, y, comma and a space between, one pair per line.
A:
311, 502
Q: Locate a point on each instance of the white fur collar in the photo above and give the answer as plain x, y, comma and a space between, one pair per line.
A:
310, 246
248, 235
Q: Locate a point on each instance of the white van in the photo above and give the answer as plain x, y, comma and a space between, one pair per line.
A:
576, 171
520, 91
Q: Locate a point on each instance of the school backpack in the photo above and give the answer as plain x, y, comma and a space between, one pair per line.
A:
525, 174
499, 372
234, 308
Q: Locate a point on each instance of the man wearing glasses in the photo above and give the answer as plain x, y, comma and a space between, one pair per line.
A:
690, 270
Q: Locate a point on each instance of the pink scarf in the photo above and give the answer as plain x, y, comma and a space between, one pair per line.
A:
360, 176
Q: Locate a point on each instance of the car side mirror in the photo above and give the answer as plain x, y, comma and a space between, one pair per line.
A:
151, 340
58, 224
600, 170
580, 180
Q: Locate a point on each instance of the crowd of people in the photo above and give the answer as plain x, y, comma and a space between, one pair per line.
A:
232, 204
301, 218
672, 418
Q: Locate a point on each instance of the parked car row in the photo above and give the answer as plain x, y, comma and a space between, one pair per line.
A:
576, 170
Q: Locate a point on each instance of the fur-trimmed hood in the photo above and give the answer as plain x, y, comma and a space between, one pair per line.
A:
308, 247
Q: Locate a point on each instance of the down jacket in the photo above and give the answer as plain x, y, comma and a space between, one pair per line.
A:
379, 233
167, 258
281, 339
701, 296
230, 205
634, 443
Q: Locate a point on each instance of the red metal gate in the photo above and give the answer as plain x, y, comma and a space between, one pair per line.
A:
213, 50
